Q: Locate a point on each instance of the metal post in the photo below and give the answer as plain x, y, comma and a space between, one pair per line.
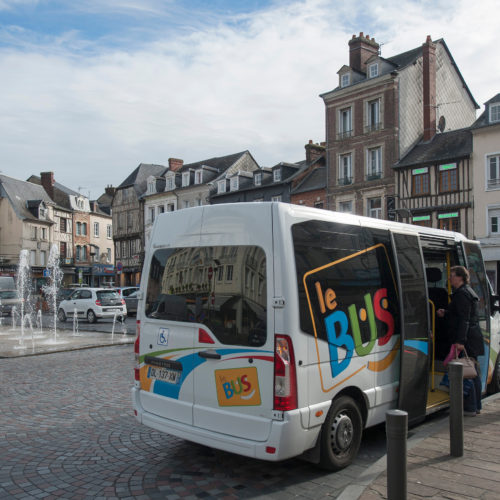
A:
455, 373
396, 428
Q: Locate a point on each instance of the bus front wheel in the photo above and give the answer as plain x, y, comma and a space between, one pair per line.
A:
341, 434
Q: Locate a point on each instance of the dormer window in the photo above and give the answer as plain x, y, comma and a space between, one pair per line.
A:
494, 112
345, 80
185, 179
198, 177
258, 179
42, 212
373, 70
151, 187
170, 184
277, 174
221, 186
234, 184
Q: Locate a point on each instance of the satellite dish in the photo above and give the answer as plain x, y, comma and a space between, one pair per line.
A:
442, 123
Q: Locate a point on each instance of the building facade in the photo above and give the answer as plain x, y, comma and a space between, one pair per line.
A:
380, 109
486, 162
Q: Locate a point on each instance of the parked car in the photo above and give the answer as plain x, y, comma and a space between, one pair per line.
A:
8, 300
131, 301
64, 293
125, 291
93, 304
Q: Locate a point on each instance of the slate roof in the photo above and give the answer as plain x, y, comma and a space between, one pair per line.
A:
441, 148
221, 163
139, 177
483, 120
20, 192
66, 190
314, 180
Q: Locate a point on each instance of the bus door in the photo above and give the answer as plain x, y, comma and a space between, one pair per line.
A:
478, 283
415, 331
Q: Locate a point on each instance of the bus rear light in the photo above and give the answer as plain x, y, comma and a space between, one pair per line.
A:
204, 337
137, 368
137, 374
285, 379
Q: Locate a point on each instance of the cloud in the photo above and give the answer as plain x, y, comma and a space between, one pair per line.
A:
91, 109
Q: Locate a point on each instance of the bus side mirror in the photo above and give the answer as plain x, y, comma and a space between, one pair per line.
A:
495, 303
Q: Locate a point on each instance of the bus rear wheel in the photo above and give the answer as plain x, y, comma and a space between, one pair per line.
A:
341, 434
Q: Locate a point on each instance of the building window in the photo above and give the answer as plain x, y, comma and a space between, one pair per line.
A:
62, 225
221, 186
448, 178
43, 260
84, 228
170, 207
420, 181
185, 179
345, 80
345, 206
318, 204
276, 198
494, 219
373, 163
44, 233
449, 221
185, 203
220, 273
345, 123
374, 208
78, 228
33, 258
78, 252
373, 70
229, 273
234, 183
493, 174
151, 218
109, 234
198, 177
109, 254
34, 232
151, 187
258, 179
373, 115
345, 169
422, 220
169, 185
161, 209
494, 113
62, 249
277, 175
96, 229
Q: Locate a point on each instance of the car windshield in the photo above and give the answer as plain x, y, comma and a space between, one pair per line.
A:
107, 294
8, 294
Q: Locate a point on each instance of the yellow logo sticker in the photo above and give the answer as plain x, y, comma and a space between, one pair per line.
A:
238, 387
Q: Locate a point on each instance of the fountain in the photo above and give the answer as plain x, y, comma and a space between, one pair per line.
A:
75, 324
23, 286
52, 288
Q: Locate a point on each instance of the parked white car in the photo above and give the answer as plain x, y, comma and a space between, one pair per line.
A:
93, 304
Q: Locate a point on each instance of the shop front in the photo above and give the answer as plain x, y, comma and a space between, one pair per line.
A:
103, 275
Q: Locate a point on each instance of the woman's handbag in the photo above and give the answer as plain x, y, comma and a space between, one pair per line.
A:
468, 364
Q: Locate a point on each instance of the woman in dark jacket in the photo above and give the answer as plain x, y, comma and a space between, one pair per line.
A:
463, 320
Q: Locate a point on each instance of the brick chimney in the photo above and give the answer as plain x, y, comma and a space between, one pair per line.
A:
429, 88
47, 179
361, 48
314, 151
110, 190
175, 164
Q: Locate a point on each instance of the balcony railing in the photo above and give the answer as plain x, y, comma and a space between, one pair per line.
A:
345, 181
373, 176
372, 127
344, 135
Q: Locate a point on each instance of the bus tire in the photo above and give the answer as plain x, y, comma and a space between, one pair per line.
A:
494, 385
341, 434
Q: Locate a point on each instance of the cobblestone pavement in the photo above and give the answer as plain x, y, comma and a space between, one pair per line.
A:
67, 430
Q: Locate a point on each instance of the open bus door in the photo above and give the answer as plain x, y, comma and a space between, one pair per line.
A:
415, 332
479, 284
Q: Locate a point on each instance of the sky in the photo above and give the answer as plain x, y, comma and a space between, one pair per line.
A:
90, 89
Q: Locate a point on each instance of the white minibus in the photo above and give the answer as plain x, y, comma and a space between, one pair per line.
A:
273, 330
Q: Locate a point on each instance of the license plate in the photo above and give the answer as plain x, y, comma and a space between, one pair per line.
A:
164, 374
113, 309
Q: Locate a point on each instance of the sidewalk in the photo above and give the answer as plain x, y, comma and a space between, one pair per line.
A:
432, 473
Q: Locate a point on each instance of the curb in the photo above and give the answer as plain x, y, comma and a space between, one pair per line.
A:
354, 491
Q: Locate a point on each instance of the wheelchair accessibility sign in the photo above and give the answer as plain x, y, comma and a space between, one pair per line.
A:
162, 336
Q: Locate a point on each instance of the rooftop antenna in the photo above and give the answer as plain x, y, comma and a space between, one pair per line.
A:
380, 48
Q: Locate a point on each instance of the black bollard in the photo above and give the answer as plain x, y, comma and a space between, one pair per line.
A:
455, 373
396, 428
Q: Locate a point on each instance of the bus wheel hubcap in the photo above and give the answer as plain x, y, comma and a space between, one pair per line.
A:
342, 433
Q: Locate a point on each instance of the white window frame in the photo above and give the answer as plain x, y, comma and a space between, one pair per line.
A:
170, 183
32, 257
96, 229
151, 187
151, 217
345, 122
258, 178
234, 183
342, 205
493, 182
377, 171
109, 232
221, 186
185, 178
495, 112
109, 254
345, 162
376, 212
43, 258
345, 80
198, 176
277, 174
373, 122
373, 70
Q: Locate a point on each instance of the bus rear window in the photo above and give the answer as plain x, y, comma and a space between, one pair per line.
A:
222, 287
